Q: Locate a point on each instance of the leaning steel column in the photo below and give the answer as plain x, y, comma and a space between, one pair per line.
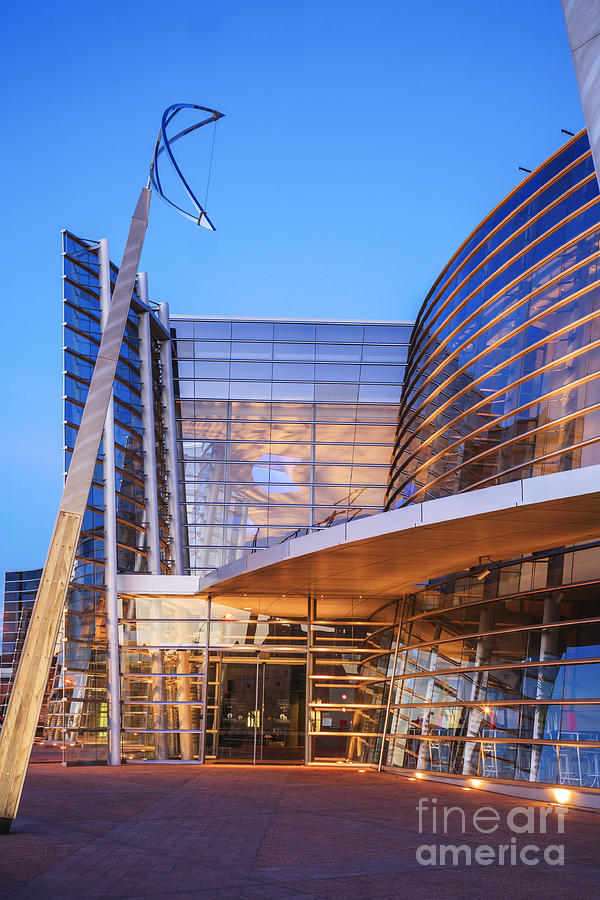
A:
113, 675
25, 703
582, 18
171, 443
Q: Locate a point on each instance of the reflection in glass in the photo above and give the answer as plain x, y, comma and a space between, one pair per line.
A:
281, 430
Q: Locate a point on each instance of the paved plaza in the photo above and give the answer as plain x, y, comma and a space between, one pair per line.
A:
270, 832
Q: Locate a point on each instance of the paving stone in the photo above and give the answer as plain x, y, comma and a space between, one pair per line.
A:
267, 833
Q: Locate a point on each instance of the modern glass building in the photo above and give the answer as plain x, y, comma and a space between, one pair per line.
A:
498, 670
491, 672
284, 428
361, 543
19, 596
224, 436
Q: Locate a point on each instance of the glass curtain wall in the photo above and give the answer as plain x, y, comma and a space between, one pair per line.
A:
498, 677
204, 681
285, 427
497, 674
20, 589
77, 711
503, 376
350, 667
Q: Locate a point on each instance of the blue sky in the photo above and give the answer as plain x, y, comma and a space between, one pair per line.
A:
362, 142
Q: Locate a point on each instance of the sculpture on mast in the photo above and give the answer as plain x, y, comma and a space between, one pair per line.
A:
22, 713
164, 144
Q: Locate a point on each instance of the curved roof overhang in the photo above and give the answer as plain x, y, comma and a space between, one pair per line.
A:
366, 564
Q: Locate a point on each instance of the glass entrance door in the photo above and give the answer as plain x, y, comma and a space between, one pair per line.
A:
281, 724
259, 708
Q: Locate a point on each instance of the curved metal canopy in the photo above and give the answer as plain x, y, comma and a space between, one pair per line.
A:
164, 143
389, 554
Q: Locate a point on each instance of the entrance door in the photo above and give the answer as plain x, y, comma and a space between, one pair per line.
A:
281, 723
260, 706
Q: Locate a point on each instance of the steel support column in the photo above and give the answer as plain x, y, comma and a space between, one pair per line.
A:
113, 675
171, 443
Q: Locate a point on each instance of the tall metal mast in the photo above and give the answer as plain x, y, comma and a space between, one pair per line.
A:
22, 714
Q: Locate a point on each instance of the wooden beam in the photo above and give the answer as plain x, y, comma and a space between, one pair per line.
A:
32, 674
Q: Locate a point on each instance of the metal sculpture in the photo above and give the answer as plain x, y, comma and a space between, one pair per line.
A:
164, 144
22, 714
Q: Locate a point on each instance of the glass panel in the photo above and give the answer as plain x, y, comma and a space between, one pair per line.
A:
182, 329
251, 370
252, 331
216, 389
251, 351
334, 453
247, 411
210, 369
387, 353
339, 352
385, 374
379, 393
300, 352
339, 332
251, 390
336, 372
290, 391
206, 350
293, 371
388, 333
294, 332
212, 330
340, 392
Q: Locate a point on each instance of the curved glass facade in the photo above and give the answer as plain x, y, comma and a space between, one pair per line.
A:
498, 668
502, 379
499, 677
